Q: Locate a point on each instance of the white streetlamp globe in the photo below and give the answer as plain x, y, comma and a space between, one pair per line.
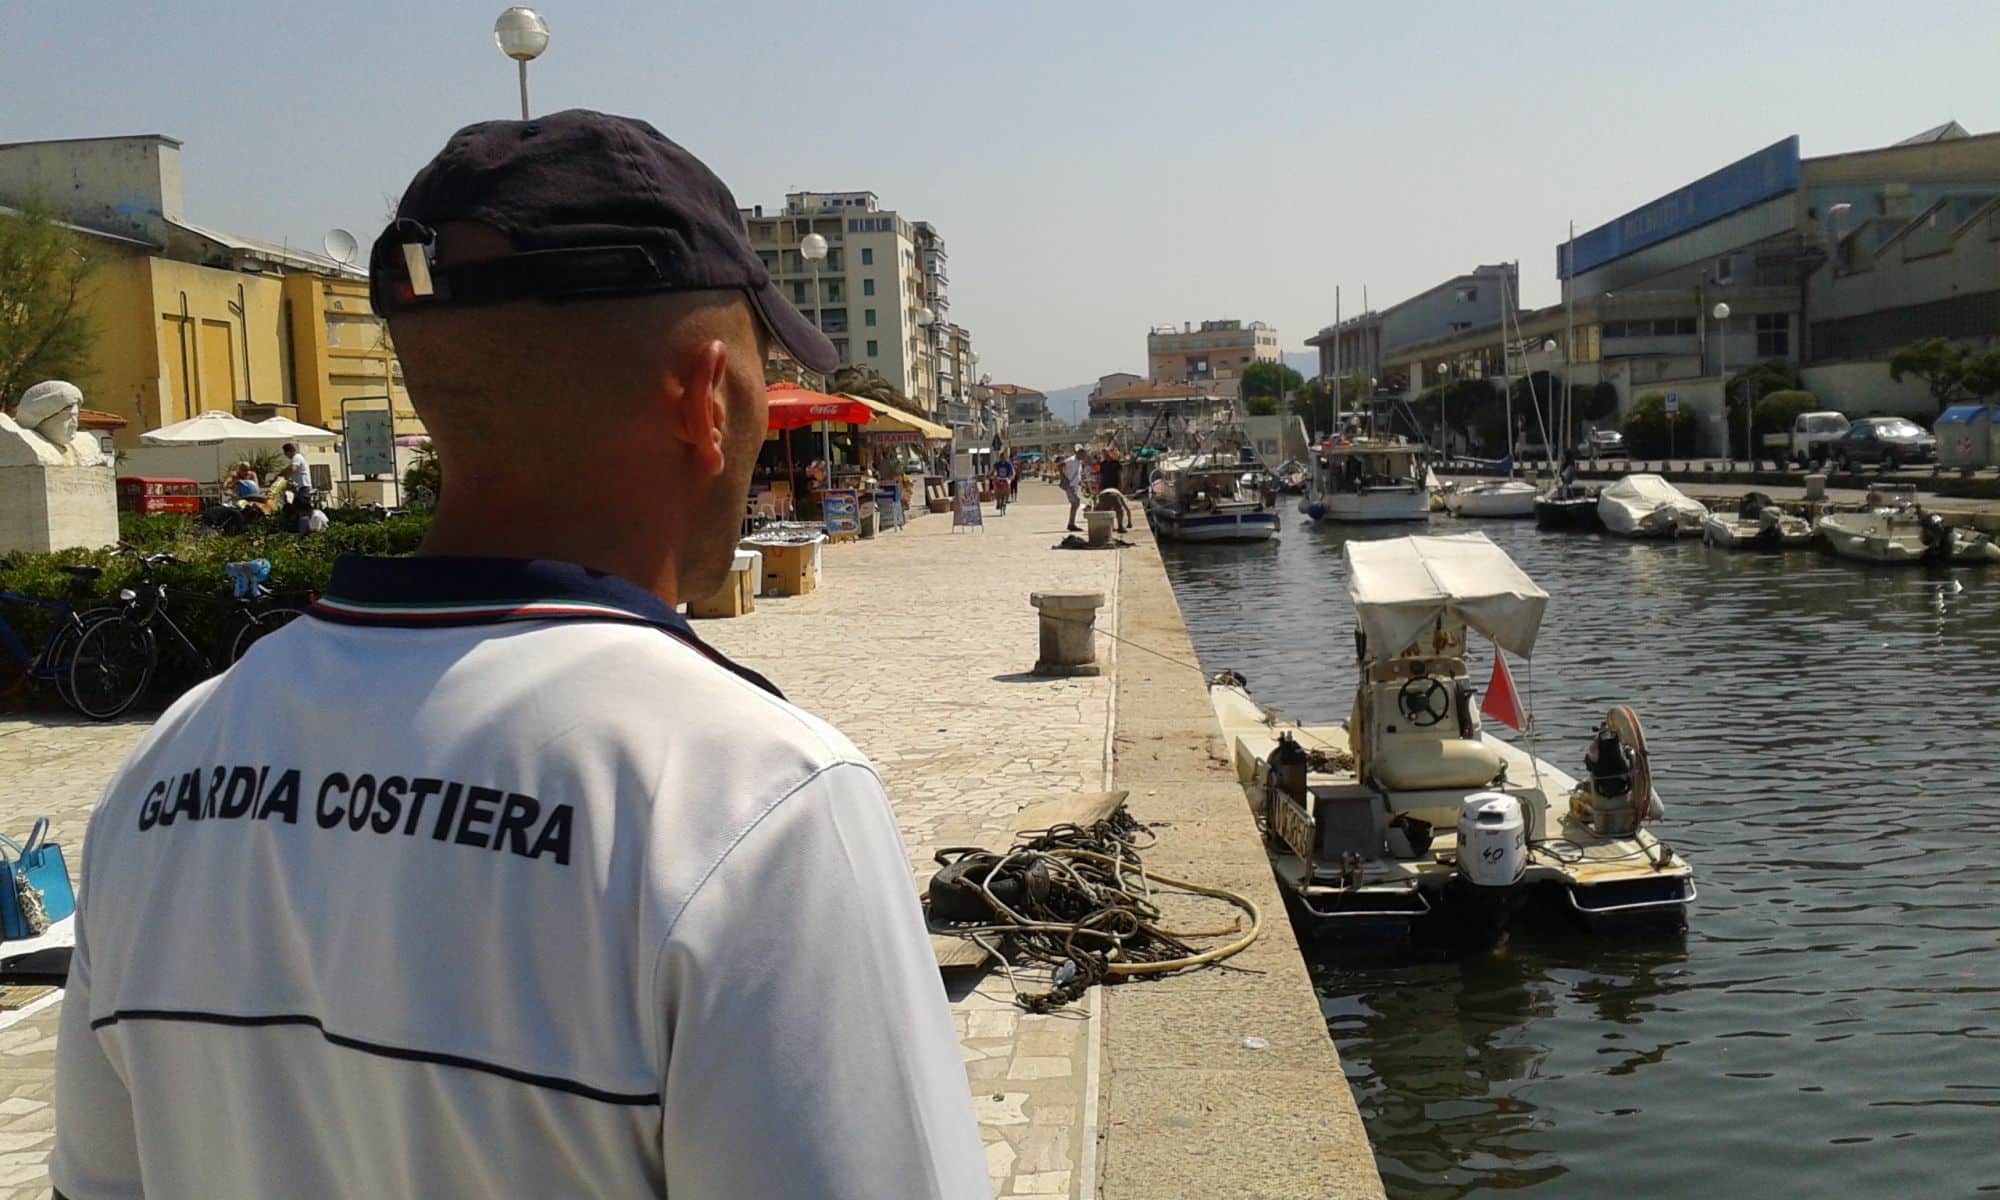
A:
813, 247
1549, 347
1720, 312
925, 316
1839, 210
521, 33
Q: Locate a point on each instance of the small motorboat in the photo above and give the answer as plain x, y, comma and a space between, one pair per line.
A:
1898, 530
1647, 506
1572, 509
1490, 498
1410, 812
1291, 476
1758, 524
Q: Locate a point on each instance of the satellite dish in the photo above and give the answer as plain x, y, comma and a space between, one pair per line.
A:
341, 246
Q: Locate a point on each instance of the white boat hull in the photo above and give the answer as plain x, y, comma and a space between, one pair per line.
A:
1896, 537
1375, 504
1647, 506
1510, 498
1734, 533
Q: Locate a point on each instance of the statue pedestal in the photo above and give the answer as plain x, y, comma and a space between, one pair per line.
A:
46, 507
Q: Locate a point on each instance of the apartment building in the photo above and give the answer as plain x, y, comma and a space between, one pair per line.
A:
880, 273
1211, 357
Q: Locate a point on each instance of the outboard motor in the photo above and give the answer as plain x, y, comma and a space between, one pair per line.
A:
1492, 847
1287, 769
1609, 764
1936, 536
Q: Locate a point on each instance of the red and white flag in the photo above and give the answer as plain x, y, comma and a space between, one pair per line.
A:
1500, 702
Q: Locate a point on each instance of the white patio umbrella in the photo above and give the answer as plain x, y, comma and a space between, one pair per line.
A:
286, 429
234, 438
206, 428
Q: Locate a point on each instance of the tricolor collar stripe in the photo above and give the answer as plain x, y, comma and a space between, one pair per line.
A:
341, 608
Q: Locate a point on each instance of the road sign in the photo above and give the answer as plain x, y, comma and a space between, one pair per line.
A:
1673, 403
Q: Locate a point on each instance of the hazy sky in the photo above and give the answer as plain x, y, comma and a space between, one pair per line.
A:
1094, 167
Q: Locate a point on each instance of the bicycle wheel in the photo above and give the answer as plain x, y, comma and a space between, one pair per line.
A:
61, 650
256, 625
113, 663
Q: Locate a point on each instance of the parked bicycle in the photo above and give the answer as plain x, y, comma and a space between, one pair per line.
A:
50, 664
116, 656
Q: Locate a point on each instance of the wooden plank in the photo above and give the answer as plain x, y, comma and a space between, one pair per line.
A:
957, 953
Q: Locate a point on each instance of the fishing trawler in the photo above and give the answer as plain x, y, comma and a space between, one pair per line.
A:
1214, 496
1410, 811
1366, 480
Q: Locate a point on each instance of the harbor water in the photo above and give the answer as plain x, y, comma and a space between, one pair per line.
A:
1826, 737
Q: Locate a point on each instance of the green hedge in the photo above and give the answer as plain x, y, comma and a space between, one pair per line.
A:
198, 586
1646, 433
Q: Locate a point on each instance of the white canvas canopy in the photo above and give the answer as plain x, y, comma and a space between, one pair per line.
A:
1403, 586
1644, 493
206, 428
287, 430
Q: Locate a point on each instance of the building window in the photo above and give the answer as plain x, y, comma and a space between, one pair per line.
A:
840, 348
867, 257
798, 293
1774, 335
1684, 327
867, 286
1614, 329
874, 347
769, 258
1725, 269
1467, 295
868, 317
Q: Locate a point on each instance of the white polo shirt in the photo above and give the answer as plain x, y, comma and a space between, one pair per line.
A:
531, 894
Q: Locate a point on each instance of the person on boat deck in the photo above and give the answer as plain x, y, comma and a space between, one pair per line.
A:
1351, 474
1569, 472
1112, 500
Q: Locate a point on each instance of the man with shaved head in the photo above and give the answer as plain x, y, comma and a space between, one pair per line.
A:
491, 878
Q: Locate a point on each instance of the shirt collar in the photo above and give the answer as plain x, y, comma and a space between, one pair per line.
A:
443, 590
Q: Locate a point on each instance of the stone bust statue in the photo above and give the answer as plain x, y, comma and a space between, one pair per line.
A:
42, 431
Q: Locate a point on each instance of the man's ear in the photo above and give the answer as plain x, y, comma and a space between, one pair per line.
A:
700, 405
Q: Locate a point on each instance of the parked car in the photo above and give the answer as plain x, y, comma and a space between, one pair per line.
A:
1890, 441
1606, 442
1809, 442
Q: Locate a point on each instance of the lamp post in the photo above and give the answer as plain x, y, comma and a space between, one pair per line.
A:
1548, 450
522, 35
812, 248
1721, 314
1444, 439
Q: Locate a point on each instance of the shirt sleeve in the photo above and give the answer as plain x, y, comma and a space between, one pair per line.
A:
96, 1150
810, 1052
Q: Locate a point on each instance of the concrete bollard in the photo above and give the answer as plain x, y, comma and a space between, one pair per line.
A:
1068, 622
1815, 487
1099, 524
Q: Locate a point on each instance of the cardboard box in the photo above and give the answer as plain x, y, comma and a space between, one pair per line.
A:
790, 570
735, 598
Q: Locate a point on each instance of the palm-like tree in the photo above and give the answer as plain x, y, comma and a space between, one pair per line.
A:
860, 379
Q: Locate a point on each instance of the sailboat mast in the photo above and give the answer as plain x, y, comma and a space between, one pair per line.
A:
1336, 358
1506, 393
1569, 329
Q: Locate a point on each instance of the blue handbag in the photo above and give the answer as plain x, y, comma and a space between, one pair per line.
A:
34, 885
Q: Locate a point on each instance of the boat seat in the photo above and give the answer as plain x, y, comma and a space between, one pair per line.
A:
1427, 764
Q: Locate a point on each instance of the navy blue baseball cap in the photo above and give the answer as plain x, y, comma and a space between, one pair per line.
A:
594, 206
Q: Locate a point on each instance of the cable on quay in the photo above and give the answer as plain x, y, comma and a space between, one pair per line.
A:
1079, 901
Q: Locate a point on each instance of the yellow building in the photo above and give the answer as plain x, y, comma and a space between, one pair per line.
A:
192, 320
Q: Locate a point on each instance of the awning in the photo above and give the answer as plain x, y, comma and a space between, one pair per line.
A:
1402, 586
794, 407
889, 417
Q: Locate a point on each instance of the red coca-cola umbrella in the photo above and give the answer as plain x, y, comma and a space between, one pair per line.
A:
794, 407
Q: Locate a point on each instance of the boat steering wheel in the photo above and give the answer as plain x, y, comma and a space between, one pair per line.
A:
1424, 701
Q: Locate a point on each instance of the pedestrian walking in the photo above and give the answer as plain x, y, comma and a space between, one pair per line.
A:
1003, 481
1072, 485
488, 876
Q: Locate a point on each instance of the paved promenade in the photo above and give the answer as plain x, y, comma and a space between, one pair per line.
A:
918, 646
